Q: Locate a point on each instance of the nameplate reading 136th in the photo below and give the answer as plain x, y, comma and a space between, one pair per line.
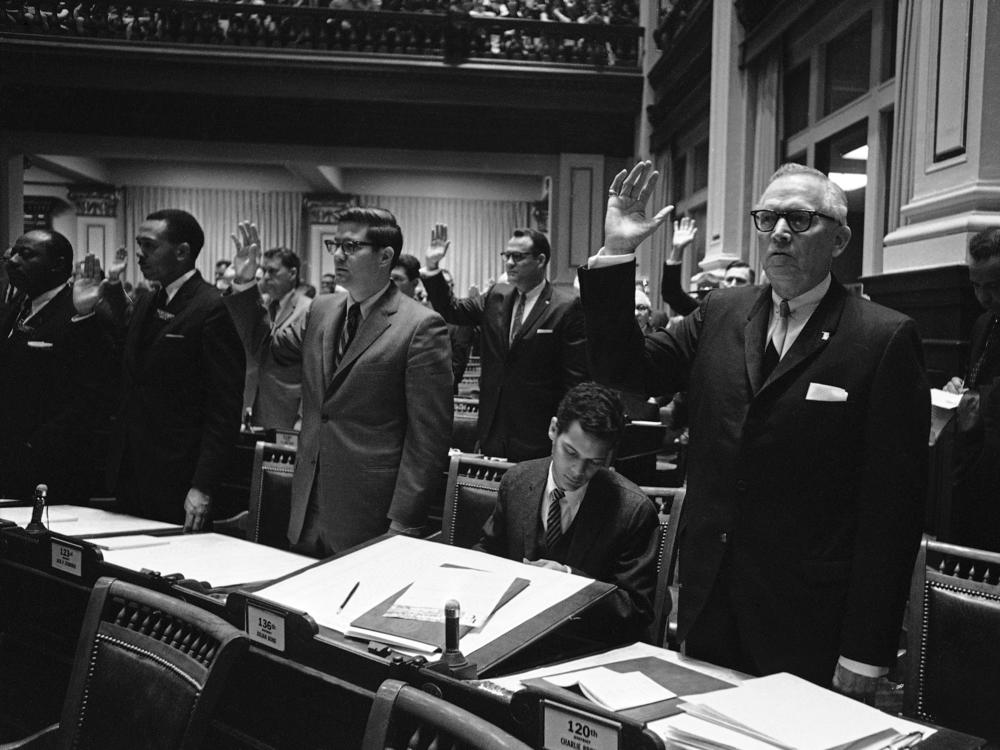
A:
68, 558
265, 626
567, 728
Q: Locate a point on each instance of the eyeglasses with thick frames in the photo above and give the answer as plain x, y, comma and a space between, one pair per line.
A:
515, 257
350, 247
798, 220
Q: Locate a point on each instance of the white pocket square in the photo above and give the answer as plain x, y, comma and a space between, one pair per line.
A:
544, 330
40, 344
822, 392
173, 335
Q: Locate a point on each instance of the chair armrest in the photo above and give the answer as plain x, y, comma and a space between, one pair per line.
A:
44, 739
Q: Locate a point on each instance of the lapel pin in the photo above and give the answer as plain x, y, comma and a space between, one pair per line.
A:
826, 336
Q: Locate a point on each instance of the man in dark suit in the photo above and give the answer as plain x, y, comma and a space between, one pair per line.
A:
57, 377
376, 393
531, 342
975, 517
182, 377
809, 423
570, 512
272, 392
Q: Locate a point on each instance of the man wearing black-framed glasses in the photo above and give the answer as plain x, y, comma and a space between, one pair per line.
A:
531, 339
807, 459
376, 393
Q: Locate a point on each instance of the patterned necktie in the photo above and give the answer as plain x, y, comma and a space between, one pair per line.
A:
23, 315
991, 340
777, 343
349, 329
553, 525
518, 317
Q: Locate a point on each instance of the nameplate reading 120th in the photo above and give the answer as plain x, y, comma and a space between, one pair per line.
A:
265, 626
68, 558
567, 728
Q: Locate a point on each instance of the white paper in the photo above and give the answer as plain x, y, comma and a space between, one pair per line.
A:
220, 560
477, 592
384, 568
618, 691
795, 713
132, 541
78, 520
944, 399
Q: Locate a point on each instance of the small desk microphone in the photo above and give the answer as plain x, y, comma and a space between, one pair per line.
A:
35, 526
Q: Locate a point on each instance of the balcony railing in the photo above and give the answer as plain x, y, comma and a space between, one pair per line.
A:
453, 37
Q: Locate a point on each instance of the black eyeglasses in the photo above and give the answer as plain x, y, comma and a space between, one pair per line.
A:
515, 257
642, 308
799, 220
350, 247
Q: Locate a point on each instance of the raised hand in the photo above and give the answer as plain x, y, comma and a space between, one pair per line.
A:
247, 257
625, 223
684, 233
88, 287
438, 246
117, 268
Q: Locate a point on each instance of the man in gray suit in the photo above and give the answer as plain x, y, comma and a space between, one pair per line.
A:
569, 512
272, 390
376, 394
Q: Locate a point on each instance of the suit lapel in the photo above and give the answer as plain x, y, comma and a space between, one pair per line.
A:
506, 313
589, 522
375, 323
816, 334
532, 491
755, 336
538, 309
328, 340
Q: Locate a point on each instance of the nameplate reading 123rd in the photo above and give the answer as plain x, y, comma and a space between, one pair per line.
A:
567, 728
265, 626
68, 558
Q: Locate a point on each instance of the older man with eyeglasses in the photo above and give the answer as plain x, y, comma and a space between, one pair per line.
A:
808, 447
376, 393
531, 339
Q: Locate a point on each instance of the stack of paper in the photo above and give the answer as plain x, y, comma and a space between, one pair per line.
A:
787, 712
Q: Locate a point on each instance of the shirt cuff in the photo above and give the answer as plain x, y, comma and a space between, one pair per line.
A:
865, 670
77, 318
426, 272
406, 530
244, 286
604, 261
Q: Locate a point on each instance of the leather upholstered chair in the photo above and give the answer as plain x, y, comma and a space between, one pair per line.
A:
271, 495
400, 709
953, 654
464, 432
670, 502
471, 493
147, 673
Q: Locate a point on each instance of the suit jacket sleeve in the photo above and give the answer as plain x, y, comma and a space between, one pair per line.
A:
672, 292
467, 311
633, 572
429, 407
891, 500
251, 321
225, 364
620, 355
494, 535
573, 344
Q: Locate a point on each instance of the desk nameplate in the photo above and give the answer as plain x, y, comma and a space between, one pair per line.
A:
265, 626
67, 557
565, 728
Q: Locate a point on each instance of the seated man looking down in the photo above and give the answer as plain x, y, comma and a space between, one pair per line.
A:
570, 512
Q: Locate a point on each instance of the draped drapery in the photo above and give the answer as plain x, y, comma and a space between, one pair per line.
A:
278, 215
478, 230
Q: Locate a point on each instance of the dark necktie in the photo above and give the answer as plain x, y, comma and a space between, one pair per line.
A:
991, 340
272, 310
553, 525
773, 353
518, 317
23, 315
349, 330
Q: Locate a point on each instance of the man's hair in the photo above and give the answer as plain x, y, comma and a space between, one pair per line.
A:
834, 198
59, 250
985, 245
597, 408
410, 266
741, 264
289, 259
539, 242
383, 229
181, 227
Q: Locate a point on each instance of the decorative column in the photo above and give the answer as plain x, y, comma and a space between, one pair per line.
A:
320, 214
580, 192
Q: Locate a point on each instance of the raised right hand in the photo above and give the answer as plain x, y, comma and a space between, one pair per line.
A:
88, 287
247, 257
438, 247
625, 223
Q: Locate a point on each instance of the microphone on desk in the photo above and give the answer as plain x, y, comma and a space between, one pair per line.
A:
453, 661
35, 525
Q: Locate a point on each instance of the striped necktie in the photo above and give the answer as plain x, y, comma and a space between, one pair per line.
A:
518, 317
553, 525
349, 329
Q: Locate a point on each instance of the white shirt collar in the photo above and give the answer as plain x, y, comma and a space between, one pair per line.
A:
570, 503
368, 302
44, 298
177, 283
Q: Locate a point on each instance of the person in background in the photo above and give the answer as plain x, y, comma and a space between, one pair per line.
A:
738, 273
327, 284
